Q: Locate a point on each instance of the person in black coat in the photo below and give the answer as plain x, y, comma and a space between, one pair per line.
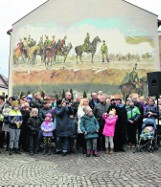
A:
33, 126
120, 128
24, 141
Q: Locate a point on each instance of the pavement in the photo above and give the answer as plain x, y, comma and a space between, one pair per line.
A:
126, 169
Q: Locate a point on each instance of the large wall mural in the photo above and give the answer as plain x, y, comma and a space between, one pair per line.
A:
110, 54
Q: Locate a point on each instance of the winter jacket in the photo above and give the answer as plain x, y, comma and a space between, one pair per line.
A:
133, 113
89, 125
34, 125
109, 127
15, 119
47, 128
64, 124
153, 109
43, 112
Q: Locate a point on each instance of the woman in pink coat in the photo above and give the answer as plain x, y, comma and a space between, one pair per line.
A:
109, 129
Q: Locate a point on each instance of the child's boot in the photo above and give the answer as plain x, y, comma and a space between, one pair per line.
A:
111, 151
95, 153
49, 151
107, 151
88, 153
44, 152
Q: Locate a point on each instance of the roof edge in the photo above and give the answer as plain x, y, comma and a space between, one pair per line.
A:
140, 8
30, 12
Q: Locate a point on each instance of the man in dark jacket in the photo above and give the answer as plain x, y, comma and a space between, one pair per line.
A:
64, 126
120, 128
99, 109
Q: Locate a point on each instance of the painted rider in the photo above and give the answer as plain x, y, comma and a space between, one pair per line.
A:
20, 46
41, 41
63, 44
104, 51
86, 45
134, 77
47, 42
53, 41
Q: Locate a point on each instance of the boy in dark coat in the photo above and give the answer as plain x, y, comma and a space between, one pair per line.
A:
33, 126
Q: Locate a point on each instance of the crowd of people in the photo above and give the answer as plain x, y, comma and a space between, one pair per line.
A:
46, 125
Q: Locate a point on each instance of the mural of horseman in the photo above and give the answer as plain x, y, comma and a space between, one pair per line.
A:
87, 47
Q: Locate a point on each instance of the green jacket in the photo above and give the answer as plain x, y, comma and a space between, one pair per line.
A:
104, 48
133, 113
89, 125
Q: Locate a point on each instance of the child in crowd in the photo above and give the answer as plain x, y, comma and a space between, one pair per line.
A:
47, 128
15, 121
90, 127
109, 129
33, 126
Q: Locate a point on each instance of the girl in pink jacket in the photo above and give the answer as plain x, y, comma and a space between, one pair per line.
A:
109, 129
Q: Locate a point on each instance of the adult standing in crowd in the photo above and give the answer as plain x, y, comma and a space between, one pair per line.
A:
93, 101
1, 121
24, 141
64, 126
120, 128
80, 137
99, 109
38, 100
138, 104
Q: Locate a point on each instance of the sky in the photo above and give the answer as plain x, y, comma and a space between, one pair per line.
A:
12, 10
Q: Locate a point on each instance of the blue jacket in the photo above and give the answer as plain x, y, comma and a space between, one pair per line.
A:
64, 124
89, 125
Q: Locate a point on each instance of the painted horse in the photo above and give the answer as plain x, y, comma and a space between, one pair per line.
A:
92, 49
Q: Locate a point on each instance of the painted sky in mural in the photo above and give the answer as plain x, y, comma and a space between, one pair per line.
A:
130, 39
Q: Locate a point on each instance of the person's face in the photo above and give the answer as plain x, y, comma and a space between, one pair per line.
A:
117, 101
151, 102
90, 113
103, 99
131, 104
34, 114
135, 99
16, 108
94, 96
85, 103
68, 96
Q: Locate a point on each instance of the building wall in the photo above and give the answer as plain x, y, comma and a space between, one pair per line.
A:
130, 33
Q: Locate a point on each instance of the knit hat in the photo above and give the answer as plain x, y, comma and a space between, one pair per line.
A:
15, 103
29, 97
48, 115
87, 109
25, 105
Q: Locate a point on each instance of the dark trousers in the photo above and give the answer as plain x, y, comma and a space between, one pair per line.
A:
33, 142
1, 135
62, 143
40, 139
131, 133
101, 140
81, 142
